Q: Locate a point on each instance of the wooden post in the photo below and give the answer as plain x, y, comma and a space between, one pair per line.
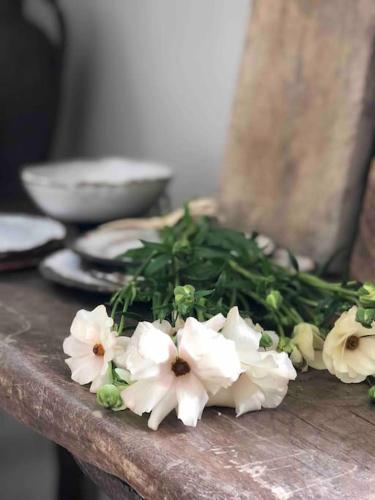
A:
303, 123
363, 258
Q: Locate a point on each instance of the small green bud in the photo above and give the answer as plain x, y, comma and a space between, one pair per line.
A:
265, 340
181, 246
184, 294
184, 297
371, 394
109, 396
286, 345
365, 316
274, 299
367, 294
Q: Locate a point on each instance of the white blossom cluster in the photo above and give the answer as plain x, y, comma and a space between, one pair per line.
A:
217, 362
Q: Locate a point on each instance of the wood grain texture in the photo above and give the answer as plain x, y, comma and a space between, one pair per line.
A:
363, 256
303, 122
318, 444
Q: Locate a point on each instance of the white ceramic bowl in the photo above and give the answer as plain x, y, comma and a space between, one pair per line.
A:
94, 191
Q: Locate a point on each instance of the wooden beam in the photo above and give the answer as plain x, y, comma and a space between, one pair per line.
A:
303, 123
363, 258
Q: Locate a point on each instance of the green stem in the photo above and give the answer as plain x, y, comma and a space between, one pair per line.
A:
119, 297
316, 282
246, 273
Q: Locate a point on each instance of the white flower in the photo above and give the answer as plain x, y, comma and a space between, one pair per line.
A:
91, 345
177, 377
265, 377
349, 349
307, 347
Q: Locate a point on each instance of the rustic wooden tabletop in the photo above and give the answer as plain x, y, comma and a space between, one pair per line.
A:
318, 444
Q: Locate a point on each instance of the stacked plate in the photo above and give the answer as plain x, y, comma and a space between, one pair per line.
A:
94, 261
25, 239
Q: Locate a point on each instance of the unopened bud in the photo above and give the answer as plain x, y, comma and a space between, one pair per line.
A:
371, 394
274, 299
367, 294
184, 297
265, 340
365, 316
109, 396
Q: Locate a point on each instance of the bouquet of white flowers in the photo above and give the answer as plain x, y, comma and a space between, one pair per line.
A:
205, 291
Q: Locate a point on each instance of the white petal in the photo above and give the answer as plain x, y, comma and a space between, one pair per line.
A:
236, 329
162, 409
144, 395
192, 398
120, 350
303, 337
154, 345
132, 360
224, 397
164, 326
367, 345
272, 362
274, 389
359, 359
216, 322
355, 379
211, 356
247, 396
85, 368
100, 380
74, 347
317, 362
88, 326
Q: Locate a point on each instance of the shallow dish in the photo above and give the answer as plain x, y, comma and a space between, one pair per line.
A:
66, 268
92, 191
22, 233
105, 246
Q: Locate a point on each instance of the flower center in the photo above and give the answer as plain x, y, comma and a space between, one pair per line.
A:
352, 342
180, 367
98, 350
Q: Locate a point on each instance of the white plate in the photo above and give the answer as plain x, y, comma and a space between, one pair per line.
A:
282, 258
20, 233
95, 191
65, 267
106, 246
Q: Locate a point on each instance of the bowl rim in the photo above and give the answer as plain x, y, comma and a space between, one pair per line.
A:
38, 174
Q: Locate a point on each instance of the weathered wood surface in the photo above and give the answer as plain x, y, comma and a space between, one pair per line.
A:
318, 444
363, 257
303, 123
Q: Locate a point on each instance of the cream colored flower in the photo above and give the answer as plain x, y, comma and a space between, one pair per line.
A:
349, 349
265, 377
307, 347
91, 346
177, 377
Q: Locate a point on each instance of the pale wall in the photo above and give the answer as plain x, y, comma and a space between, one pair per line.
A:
152, 79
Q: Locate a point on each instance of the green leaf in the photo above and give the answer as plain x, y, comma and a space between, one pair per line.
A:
157, 264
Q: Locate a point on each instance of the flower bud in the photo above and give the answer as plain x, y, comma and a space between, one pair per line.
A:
286, 345
367, 295
365, 316
297, 358
371, 394
265, 340
184, 297
274, 299
109, 396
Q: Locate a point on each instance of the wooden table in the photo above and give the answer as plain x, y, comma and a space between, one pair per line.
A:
318, 444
